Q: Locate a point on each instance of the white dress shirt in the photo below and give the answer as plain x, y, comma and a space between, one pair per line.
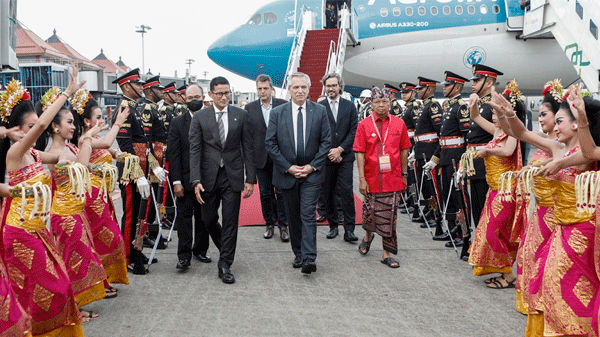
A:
267, 111
225, 119
337, 107
295, 122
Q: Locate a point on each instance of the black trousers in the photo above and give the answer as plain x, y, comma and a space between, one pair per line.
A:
338, 181
223, 194
300, 205
479, 189
131, 207
425, 186
271, 199
191, 231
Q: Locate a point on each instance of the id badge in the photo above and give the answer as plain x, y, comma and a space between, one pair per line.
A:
384, 163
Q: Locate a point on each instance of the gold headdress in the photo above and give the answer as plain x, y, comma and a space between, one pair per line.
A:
555, 89
9, 98
50, 97
512, 91
79, 100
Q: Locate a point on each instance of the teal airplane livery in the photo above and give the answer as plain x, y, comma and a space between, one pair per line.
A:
399, 40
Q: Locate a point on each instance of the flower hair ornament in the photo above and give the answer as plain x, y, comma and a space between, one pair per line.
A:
9, 98
79, 100
50, 97
513, 92
555, 89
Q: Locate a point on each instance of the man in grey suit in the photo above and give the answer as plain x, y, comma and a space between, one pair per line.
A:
298, 140
220, 149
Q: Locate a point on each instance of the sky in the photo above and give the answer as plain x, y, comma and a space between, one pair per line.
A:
181, 30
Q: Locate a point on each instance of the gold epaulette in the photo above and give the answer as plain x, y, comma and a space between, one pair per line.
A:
462, 102
152, 161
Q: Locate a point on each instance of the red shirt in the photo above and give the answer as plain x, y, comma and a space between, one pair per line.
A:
368, 142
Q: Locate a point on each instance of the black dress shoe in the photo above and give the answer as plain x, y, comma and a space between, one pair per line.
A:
309, 267
430, 222
137, 269
419, 219
269, 232
443, 237
183, 264
283, 234
350, 237
458, 242
226, 276
202, 257
403, 209
465, 257
145, 259
320, 218
332, 233
297, 262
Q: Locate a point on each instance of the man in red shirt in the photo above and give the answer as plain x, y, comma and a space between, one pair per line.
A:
381, 145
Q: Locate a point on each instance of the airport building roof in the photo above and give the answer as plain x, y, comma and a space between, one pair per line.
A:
66, 49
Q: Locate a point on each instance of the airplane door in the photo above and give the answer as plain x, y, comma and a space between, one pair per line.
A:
514, 15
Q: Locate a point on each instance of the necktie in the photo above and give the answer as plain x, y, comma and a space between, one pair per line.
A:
221, 133
300, 138
334, 110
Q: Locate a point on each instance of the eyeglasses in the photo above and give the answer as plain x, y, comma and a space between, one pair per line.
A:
220, 94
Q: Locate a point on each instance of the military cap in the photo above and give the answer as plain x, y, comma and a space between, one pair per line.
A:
131, 76
181, 89
153, 82
452, 78
391, 88
406, 87
425, 82
170, 87
479, 71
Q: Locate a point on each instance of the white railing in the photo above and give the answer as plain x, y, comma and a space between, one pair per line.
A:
307, 23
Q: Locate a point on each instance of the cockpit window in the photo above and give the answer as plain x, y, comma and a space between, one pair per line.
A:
270, 18
255, 19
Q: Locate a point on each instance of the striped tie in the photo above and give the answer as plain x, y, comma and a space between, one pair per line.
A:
221, 133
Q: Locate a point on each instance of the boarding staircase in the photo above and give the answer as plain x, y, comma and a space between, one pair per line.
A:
317, 52
574, 25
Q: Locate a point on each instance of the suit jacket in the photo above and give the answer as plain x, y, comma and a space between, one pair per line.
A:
344, 130
280, 143
259, 129
206, 149
178, 155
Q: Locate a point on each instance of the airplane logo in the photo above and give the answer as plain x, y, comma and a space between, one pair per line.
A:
474, 55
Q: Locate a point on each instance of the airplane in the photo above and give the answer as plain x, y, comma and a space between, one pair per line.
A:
401, 40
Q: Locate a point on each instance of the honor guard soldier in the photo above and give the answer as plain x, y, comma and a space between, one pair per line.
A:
154, 129
455, 126
427, 132
132, 140
167, 110
181, 106
396, 108
364, 105
408, 95
483, 79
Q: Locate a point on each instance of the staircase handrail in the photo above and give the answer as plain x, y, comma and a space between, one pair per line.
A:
331, 60
294, 58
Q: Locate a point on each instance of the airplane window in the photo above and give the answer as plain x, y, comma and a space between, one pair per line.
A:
255, 19
434, 10
458, 10
496, 9
483, 9
270, 18
471, 9
409, 11
396, 11
421, 10
446, 10
383, 12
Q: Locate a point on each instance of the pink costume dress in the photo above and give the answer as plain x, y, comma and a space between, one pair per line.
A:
36, 270
73, 236
100, 212
491, 250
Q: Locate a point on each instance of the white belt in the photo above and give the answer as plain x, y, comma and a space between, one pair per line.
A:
427, 137
453, 141
476, 148
411, 134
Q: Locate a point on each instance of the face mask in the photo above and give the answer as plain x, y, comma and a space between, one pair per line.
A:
195, 105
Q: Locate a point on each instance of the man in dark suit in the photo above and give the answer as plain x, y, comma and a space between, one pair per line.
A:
220, 151
298, 140
339, 168
187, 206
271, 199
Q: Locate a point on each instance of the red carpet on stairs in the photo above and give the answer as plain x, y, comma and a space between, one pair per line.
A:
251, 212
313, 61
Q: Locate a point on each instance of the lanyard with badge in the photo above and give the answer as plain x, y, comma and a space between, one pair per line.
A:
384, 160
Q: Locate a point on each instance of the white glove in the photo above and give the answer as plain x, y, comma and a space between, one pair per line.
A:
430, 165
411, 158
160, 173
143, 187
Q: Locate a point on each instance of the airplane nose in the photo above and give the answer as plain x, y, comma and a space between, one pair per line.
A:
218, 50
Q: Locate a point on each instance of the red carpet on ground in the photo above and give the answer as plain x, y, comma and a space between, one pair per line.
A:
251, 212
